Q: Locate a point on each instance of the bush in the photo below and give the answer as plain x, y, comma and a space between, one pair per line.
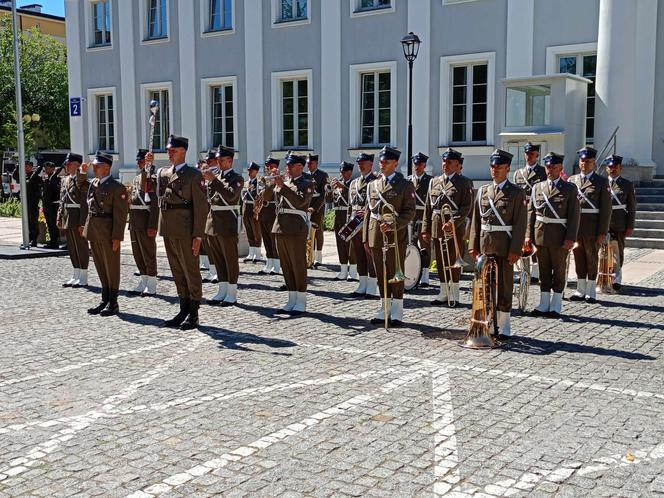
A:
328, 224
10, 209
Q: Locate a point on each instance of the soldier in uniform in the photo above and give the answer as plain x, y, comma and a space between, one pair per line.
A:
251, 225
553, 222
337, 194
291, 229
143, 224
207, 263
266, 218
104, 228
455, 190
421, 179
526, 177
183, 212
72, 215
34, 191
317, 208
623, 217
595, 198
390, 194
223, 223
498, 229
368, 284
50, 203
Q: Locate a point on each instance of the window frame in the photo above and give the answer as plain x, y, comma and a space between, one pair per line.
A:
146, 88
90, 46
205, 20
93, 121
206, 101
144, 19
278, 22
277, 114
447, 64
357, 11
376, 108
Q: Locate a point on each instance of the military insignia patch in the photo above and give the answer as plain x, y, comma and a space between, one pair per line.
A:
202, 184
123, 196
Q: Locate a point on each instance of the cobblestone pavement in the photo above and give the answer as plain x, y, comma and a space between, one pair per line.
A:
323, 405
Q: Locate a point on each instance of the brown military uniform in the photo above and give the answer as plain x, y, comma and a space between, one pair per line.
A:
549, 225
399, 193
487, 236
183, 212
340, 199
291, 229
266, 218
527, 177
251, 225
623, 216
595, 200
143, 215
106, 222
457, 192
72, 215
319, 177
222, 225
421, 189
358, 203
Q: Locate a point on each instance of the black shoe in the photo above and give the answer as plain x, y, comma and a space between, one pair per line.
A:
422, 285
537, 312
377, 321
192, 318
177, 320
112, 307
213, 302
617, 287
214, 281
33, 243
79, 286
137, 273
437, 302
102, 305
51, 246
66, 284
62, 247
283, 287
552, 314
226, 304
504, 338
591, 300
206, 280
396, 323
262, 272
273, 272
371, 298
534, 280
576, 298
357, 294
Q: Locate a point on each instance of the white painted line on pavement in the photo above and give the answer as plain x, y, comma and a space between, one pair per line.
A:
446, 457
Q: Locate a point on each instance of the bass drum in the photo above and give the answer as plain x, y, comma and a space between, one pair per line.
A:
412, 267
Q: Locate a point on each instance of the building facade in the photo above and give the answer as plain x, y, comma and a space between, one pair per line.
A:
31, 16
267, 76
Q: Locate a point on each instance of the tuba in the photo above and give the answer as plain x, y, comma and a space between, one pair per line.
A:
606, 271
483, 313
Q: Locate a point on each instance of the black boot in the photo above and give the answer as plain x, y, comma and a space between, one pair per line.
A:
105, 296
192, 319
112, 307
177, 320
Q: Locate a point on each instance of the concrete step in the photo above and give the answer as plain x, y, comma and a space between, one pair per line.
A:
645, 243
655, 182
645, 223
649, 233
650, 206
649, 199
653, 214
650, 191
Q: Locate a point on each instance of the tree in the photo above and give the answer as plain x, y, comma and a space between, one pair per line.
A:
44, 88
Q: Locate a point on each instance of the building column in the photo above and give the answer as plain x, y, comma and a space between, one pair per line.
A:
419, 22
127, 83
520, 34
189, 108
254, 80
625, 85
330, 83
74, 33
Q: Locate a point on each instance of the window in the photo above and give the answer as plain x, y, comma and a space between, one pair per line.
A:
222, 126
105, 123
469, 103
362, 8
374, 4
291, 10
528, 106
583, 65
157, 19
292, 108
101, 23
376, 112
220, 15
162, 125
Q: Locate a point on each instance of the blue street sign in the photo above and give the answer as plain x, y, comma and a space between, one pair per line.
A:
75, 106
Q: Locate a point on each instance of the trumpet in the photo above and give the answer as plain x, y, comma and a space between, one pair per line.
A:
444, 242
388, 217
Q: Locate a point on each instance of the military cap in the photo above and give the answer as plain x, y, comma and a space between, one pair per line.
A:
553, 158
389, 154
295, 159
420, 158
103, 158
210, 154
254, 166
531, 147
451, 154
223, 151
75, 158
346, 166
174, 141
140, 154
272, 160
587, 153
365, 157
613, 160
49, 164
312, 157
499, 157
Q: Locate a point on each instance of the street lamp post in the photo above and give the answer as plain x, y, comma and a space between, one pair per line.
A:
411, 46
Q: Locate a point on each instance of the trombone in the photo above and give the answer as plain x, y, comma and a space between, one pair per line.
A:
444, 241
387, 216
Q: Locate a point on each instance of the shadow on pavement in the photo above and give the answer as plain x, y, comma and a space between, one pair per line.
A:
539, 347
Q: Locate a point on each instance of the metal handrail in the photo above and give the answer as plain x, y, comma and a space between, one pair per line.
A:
611, 145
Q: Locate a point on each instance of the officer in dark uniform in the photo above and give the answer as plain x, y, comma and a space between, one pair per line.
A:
456, 191
553, 222
224, 189
338, 195
595, 198
266, 219
183, 212
291, 229
251, 225
34, 192
143, 224
623, 217
72, 215
50, 203
104, 228
390, 209
498, 229
421, 179
317, 208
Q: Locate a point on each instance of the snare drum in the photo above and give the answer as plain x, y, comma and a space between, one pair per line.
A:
352, 228
412, 267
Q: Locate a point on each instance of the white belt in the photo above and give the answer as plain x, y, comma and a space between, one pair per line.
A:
341, 208
589, 211
248, 202
496, 228
419, 208
224, 208
139, 207
620, 206
72, 205
440, 213
316, 194
381, 219
546, 219
293, 211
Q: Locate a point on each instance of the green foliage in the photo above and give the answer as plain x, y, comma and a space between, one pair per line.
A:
328, 224
10, 209
44, 88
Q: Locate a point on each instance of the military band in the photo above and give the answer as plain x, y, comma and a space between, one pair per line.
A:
266, 216
338, 194
251, 225
421, 180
